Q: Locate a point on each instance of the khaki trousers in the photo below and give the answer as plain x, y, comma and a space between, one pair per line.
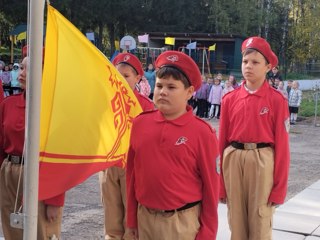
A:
9, 178
248, 177
182, 225
113, 191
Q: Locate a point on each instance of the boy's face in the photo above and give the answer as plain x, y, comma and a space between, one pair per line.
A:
171, 97
254, 67
129, 74
22, 77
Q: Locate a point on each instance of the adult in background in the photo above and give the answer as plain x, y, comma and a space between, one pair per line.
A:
275, 74
255, 163
151, 77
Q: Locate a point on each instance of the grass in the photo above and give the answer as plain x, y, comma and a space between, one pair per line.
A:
307, 108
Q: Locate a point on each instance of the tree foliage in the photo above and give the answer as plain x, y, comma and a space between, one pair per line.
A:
291, 26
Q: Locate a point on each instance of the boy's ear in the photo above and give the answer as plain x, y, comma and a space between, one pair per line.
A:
138, 78
190, 92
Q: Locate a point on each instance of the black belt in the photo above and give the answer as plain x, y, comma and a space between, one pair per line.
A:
249, 146
15, 159
188, 205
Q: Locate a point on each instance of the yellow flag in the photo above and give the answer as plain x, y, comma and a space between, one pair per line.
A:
22, 36
117, 45
169, 40
87, 109
212, 48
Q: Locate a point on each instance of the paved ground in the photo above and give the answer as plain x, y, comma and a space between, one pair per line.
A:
297, 219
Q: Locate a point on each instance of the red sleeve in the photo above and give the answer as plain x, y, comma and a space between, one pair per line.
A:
1, 93
223, 141
2, 153
282, 153
132, 203
56, 201
209, 172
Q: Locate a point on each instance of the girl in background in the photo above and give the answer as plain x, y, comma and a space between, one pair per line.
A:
295, 98
214, 98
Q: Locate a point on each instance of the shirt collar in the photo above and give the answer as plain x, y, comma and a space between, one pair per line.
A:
182, 120
261, 92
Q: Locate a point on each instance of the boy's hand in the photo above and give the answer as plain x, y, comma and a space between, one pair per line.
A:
52, 212
133, 233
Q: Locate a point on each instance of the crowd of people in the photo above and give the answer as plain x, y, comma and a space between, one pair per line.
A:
177, 170
9, 78
207, 100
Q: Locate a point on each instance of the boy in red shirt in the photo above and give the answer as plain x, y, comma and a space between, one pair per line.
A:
173, 185
112, 180
254, 143
12, 137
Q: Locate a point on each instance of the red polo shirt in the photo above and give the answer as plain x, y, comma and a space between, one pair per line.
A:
262, 116
12, 129
172, 163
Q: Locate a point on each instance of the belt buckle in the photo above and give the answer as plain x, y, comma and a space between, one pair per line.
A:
15, 159
249, 146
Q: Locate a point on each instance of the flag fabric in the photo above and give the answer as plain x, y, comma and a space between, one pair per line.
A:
21, 36
87, 109
169, 40
212, 48
117, 45
143, 38
192, 45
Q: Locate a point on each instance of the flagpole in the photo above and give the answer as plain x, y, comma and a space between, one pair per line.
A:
31, 168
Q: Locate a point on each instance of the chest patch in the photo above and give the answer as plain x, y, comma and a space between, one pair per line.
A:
181, 140
264, 110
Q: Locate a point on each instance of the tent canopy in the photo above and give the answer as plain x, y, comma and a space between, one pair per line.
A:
18, 29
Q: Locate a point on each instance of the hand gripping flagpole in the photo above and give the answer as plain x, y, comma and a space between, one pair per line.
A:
31, 168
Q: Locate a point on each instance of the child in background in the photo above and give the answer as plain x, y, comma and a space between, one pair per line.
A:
173, 184
227, 87
254, 146
289, 86
282, 90
112, 180
144, 87
233, 81
214, 99
295, 98
6, 81
201, 97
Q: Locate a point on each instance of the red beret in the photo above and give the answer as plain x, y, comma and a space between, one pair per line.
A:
262, 46
183, 63
25, 50
130, 59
